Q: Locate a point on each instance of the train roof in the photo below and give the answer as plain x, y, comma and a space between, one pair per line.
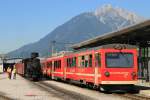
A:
109, 46
89, 50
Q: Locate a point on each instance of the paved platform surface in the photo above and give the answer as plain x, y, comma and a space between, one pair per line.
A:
96, 95
21, 89
144, 87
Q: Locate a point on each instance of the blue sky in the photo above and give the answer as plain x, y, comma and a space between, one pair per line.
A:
26, 21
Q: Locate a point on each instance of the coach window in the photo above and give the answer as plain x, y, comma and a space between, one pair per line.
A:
86, 60
43, 65
97, 60
90, 60
54, 65
59, 63
79, 61
70, 62
49, 64
83, 61
74, 62
67, 62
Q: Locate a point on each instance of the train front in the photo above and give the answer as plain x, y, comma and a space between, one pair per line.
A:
119, 70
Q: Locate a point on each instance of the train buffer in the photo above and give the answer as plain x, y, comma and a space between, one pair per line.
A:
21, 89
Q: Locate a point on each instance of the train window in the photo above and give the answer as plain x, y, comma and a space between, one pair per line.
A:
71, 62
97, 60
59, 63
121, 60
86, 61
49, 64
74, 62
67, 62
82, 62
79, 61
43, 65
54, 65
90, 60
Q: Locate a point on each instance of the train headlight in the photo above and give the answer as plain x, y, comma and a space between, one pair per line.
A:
107, 74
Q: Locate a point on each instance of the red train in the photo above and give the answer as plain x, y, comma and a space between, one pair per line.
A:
109, 67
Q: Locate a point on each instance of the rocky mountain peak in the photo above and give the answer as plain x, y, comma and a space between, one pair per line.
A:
79, 28
109, 11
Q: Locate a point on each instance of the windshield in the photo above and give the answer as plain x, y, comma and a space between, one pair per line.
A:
119, 60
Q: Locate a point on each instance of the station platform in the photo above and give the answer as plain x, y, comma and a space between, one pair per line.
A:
144, 87
21, 89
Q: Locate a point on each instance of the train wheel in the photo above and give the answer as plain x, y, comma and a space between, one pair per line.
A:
133, 89
90, 85
104, 90
101, 89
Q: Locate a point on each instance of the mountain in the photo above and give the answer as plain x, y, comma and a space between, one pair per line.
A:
81, 27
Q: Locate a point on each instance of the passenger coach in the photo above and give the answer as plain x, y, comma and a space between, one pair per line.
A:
109, 67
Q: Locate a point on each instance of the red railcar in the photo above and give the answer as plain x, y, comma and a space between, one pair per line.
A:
44, 67
20, 68
55, 67
108, 67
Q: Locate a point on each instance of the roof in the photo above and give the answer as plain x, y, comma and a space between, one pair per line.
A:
134, 34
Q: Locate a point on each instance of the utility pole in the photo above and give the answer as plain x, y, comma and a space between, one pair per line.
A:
54, 42
53, 46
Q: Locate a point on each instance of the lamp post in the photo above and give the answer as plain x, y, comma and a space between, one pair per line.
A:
53, 45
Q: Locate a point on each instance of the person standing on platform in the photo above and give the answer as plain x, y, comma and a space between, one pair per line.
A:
9, 72
14, 73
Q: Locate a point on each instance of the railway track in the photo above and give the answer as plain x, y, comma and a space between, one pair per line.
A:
3, 97
62, 93
69, 95
133, 96
78, 96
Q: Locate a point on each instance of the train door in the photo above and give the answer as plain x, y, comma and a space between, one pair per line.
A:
49, 68
97, 66
71, 67
85, 67
52, 69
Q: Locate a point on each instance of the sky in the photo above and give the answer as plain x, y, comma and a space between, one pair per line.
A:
27, 21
